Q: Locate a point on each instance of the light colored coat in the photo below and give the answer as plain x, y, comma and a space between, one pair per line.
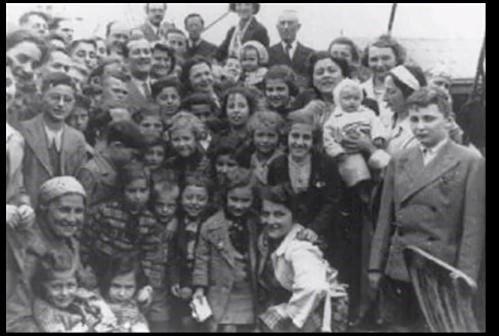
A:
36, 165
215, 261
300, 268
439, 208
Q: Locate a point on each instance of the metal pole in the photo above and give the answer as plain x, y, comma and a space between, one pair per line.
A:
392, 18
217, 21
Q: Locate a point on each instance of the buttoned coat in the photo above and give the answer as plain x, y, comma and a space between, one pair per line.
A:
204, 48
299, 63
36, 164
255, 32
440, 208
215, 261
320, 206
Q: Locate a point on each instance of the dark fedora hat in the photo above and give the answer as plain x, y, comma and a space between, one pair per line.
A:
256, 7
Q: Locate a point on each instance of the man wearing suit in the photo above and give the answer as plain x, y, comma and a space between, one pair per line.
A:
139, 62
433, 198
194, 25
52, 148
155, 14
289, 51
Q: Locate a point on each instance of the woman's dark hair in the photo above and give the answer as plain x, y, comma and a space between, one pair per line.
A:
353, 47
16, 37
170, 81
256, 8
169, 50
50, 263
246, 93
126, 132
109, 267
386, 41
322, 55
280, 194
187, 67
284, 73
417, 72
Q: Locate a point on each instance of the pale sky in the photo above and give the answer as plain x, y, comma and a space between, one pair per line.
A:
321, 23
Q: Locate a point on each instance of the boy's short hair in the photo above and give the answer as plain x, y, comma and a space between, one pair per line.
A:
170, 81
165, 185
193, 15
126, 132
56, 78
198, 180
284, 73
428, 96
240, 178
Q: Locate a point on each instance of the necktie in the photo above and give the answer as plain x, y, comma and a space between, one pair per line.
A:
288, 51
147, 91
54, 159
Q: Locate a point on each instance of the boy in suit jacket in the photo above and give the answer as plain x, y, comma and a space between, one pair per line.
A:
289, 51
433, 198
52, 147
194, 25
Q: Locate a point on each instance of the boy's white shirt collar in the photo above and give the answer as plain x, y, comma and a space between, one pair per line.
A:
430, 153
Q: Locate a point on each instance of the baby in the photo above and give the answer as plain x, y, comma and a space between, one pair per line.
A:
348, 121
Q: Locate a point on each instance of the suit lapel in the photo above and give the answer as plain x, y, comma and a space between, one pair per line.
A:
436, 168
66, 148
297, 57
37, 139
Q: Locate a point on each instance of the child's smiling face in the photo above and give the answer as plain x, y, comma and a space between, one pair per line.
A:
60, 292
350, 99
265, 140
249, 60
194, 200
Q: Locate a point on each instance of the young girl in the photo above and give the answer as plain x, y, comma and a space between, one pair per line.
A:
226, 157
348, 120
280, 89
125, 225
167, 94
118, 283
254, 57
264, 128
195, 209
154, 160
185, 135
60, 305
238, 105
224, 269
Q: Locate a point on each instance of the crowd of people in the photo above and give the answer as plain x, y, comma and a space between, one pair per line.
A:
152, 176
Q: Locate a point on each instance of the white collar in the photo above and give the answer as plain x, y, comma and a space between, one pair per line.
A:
288, 239
435, 149
54, 136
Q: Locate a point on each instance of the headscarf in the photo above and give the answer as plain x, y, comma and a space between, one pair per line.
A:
60, 186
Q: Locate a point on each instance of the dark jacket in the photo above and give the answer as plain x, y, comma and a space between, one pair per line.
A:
319, 207
255, 32
299, 64
204, 48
